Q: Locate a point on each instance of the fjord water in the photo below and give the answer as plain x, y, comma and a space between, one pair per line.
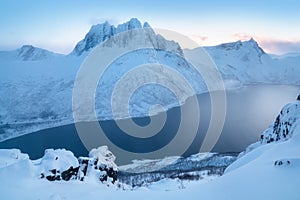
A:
250, 110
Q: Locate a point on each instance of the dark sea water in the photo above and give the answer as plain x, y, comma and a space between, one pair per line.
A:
250, 110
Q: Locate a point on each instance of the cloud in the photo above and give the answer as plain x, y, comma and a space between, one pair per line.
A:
280, 46
200, 37
242, 36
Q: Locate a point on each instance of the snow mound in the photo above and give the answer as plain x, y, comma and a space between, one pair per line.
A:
11, 156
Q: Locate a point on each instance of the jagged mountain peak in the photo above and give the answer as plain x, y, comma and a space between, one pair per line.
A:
146, 25
133, 23
254, 44
101, 32
240, 44
244, 51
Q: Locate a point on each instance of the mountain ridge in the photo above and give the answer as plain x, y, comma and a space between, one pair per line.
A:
38, 88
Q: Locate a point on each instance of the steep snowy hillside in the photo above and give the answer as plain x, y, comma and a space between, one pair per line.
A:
273, 164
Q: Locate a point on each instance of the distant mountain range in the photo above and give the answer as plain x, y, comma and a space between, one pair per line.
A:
36, 84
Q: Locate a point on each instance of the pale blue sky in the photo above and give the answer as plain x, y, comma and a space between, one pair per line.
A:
58, 25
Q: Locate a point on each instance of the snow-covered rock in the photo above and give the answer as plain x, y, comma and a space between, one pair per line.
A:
284, 131
58, 164
100, 163
283, 127
61, 164
103, 157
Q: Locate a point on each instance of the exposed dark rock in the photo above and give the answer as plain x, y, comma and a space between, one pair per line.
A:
282, 162
66, 175
87, 164
70, 173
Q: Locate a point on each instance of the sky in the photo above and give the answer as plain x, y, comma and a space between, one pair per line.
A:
58, 25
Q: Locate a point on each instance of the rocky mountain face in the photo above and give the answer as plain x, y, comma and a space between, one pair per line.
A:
101, 32
284, 131
284, 125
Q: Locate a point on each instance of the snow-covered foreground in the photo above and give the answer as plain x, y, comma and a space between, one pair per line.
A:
269, 169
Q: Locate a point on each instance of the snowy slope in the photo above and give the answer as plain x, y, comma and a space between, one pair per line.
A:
270, 165
269, 171
36, 85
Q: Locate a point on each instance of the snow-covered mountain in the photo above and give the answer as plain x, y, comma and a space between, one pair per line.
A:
40, 91
36, 85
28, 53
247, 63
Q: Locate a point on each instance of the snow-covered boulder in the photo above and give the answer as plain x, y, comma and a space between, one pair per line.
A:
100, 163
61, 164
58, 164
